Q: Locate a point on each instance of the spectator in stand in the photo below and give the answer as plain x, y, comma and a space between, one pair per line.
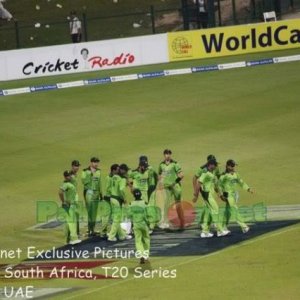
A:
4, 13
75, 28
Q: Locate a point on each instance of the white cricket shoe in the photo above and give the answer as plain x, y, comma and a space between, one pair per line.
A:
164, 226
206, 235
150, 231
75, 242
128, 237
223, 233
246, 229
226, 231
112, 239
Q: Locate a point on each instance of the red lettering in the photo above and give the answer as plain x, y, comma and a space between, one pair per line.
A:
105, 62
131, 59
98, 61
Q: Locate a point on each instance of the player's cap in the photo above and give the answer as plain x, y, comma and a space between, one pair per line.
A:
124, 167
137, 194
114, 167
211, 157
75, 163
212, 162
95, 159
143, 158
73, 12
231, 163
167, 151
67, 173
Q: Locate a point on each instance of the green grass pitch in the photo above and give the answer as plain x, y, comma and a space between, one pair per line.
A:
248, 114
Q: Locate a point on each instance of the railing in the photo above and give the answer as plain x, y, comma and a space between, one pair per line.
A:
21, 34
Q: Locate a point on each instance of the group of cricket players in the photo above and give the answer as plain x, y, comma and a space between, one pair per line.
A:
111, 206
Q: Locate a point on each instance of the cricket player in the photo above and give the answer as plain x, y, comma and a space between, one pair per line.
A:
152, 175
197, 175
67, 195
117, 200
139, 178
207, 185
229, 182
203, 168
92, 191
170, 174
153, 212
75, 165
105, 206
138, 215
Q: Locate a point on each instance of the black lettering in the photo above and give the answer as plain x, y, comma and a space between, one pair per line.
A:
276, 35
45, 67
295, 37
75, 64
232, 46
51, 68
68, 66
253, 38
213, 42
58, 65
25, 72
265, 39
244, 41
36, 70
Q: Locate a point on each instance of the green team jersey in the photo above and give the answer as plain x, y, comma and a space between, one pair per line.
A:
138, 213
229, 182
204, 169
129, 172
169, 172
91, 180
140, 180
69, 191
108, 185
152, 180
118, 186
74, 179
208, 181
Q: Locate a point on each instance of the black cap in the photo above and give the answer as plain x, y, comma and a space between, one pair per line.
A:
212, 162
67, 173
75, 163
124, 167
73, 12
114, 167
211, 157
137, 194
143, 158
231, 163
95, 159
167, 151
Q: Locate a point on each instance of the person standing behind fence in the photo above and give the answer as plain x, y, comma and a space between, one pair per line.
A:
4, 13
202, 11
75, 28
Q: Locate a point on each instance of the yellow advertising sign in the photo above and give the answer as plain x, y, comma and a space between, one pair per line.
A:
233, 40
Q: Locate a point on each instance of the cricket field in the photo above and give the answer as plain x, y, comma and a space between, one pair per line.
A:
250, 114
